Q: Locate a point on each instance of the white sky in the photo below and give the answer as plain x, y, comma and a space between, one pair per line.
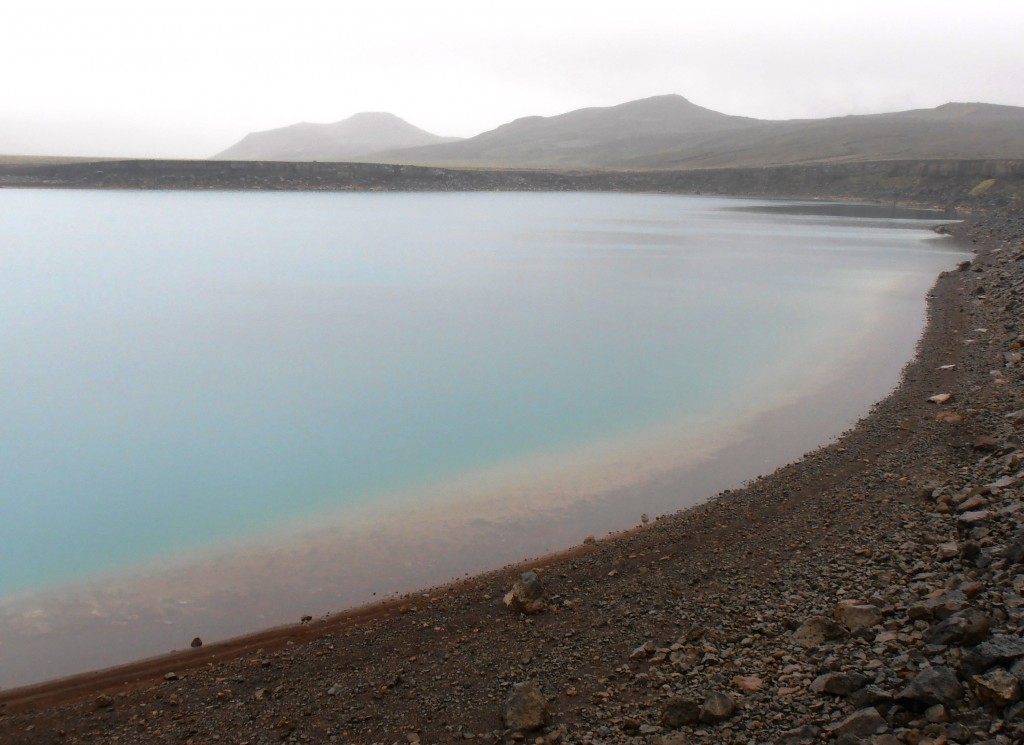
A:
190, 77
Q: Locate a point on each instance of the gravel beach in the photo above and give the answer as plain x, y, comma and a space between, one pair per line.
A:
871, 592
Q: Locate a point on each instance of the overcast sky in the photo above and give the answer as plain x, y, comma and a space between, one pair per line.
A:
188, 78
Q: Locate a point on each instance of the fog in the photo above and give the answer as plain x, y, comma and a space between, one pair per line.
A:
189, 78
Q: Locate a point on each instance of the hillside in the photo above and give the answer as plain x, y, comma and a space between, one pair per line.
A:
671, 132
349, 139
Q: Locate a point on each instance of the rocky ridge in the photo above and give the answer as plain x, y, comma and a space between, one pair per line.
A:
871, 593
944, 183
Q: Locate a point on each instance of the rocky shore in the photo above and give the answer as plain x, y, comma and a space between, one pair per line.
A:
872, 592
935, 182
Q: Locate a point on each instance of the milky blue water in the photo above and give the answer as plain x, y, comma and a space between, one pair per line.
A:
178, 370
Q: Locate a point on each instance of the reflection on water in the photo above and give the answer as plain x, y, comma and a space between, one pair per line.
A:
225, 411
849, 209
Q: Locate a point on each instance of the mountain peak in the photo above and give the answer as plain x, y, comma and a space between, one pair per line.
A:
349, 139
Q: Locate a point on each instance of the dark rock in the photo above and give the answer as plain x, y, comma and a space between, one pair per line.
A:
996, 688
968, 627
817, 630
969, 551
103, 701
717, 708
933, 685
863, 723
999, 650
196, 643
856, 616
806, 735
1017, 669
838, 684
986, 443
1014, 551
674, 738
869, 696
680, 712
527, 595
526, 709
970, 520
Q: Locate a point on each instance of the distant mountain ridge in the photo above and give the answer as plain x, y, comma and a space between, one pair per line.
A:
671, 132
352, 138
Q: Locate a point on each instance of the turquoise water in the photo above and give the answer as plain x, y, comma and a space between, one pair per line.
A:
180, 370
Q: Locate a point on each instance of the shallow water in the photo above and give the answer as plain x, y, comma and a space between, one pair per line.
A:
225, 410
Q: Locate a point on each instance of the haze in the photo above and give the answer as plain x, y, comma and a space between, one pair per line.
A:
187, 79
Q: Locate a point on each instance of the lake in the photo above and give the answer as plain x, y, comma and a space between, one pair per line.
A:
222, 411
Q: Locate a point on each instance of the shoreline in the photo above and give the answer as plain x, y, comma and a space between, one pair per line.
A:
702, 553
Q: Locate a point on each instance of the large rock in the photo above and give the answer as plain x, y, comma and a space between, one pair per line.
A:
967, 627
996, 688
856, 616
717, 707
817, 630
680, 712
870, 695
526, 708
863, 723
999, 650
527, 595
1014, 550
838, 684
933, 685
805, 735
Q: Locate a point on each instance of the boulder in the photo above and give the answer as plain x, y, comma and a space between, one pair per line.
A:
933, 685
748, 683
1002, 649
856, 616
863, 723
838, 684
967, 627
1014, 550
526, 708
806, 735
680, 711
817, 630
996, 688
717, 707
986, 443
527, 595
870, 695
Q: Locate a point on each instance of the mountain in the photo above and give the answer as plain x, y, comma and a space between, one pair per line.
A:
671, 132
586, 137
350, 139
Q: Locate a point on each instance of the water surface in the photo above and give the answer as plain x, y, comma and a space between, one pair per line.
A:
224, 410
